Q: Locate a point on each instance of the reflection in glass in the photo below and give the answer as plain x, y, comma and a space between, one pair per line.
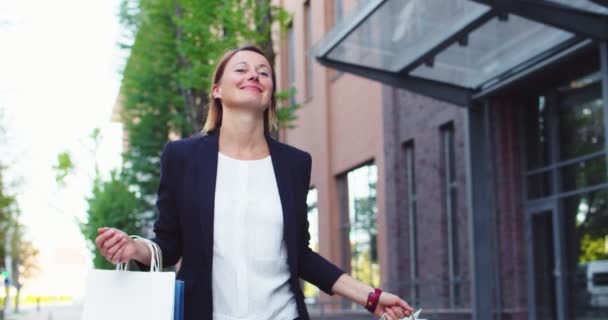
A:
586, 230
492, 49
363, 233
544, 265
414, 27
584, 174
311, 293
581, 126
539, 185
536, 125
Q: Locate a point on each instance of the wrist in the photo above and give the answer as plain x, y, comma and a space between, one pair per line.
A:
142, 253
373, 298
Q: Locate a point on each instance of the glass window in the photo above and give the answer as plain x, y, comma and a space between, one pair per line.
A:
311, 293
564, 138
450, 195
410, 178
536, 127
338, 10
583, 174
291, 60
362, 230
539, 185
308, 49
586, 230
581, 117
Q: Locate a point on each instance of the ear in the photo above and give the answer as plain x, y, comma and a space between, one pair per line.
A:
216, 92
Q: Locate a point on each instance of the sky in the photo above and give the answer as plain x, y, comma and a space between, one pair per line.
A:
59, 78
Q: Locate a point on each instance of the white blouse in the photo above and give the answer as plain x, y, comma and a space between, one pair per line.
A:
250, 271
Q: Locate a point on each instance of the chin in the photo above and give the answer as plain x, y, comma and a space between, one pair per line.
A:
253, 104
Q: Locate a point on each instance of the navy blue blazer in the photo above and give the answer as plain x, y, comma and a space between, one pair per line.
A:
184, 228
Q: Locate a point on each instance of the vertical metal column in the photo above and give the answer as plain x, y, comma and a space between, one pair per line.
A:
479, 207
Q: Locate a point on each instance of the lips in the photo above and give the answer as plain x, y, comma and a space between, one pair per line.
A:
251, 87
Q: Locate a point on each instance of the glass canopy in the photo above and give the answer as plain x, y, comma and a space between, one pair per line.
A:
492, 49
464, 44
586, 5
402, 30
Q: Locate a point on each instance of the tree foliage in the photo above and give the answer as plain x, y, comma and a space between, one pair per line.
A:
9, 214
110, 204
174, 47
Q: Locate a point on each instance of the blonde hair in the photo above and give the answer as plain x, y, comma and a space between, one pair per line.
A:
214, 109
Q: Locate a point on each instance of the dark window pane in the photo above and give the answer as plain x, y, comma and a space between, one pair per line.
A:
600, 279
581, 125
586, 235
539, 185
584, 174
536, 124
544, 266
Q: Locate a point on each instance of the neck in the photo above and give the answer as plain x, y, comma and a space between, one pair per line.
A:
242, 135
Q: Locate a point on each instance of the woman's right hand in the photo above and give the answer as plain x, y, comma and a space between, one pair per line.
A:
115, 245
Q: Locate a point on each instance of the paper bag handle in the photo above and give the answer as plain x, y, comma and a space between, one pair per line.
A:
156, 257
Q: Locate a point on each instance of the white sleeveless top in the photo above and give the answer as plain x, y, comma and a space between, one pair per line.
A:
250, 277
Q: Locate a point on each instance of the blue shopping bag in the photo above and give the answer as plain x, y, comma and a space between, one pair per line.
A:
178, 305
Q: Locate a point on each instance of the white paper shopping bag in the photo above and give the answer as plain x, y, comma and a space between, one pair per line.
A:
127, 295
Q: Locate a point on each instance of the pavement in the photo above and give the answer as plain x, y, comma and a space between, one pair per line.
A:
57, 312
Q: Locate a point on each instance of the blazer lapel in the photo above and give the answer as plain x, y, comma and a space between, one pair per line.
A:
206, 175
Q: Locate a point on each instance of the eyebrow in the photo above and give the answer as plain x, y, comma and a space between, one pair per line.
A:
259, 65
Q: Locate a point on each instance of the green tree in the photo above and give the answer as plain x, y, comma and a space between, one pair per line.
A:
110, 204
175, 47
24, 258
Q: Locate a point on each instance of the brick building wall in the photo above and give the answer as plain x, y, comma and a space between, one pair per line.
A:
413, 118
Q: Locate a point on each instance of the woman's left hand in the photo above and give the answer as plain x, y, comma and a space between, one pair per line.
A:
394, 307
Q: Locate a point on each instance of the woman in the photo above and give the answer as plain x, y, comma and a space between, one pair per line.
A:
232, 206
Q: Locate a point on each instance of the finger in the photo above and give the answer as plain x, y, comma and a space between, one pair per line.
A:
112, 250
101, 238
405, 306
113, 239
391, 313
99, 241
117, 257
400, 312
102, 230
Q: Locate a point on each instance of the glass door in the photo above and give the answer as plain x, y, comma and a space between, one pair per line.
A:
545, 285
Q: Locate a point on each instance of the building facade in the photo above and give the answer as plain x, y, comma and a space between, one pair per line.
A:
459, 151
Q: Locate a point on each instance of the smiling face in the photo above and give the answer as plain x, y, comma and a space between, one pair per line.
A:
246, 82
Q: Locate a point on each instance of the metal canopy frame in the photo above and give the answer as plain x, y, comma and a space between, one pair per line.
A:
454, 94
601, 2
458, 35
581, 22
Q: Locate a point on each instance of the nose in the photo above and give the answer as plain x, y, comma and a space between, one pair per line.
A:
253, 75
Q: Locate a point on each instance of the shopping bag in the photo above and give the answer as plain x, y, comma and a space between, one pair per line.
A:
126, 295
178, 310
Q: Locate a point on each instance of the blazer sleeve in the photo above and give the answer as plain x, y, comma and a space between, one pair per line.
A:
167, 227
313, 267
